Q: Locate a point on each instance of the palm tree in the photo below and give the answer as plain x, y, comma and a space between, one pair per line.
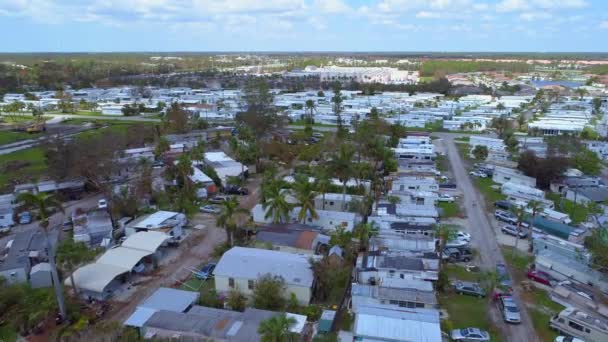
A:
310, 106
341, 165
276, 204
322, 184
43, 202
70, 254
535, 207
268, 178
276, 329
443, 233
490, 279
227, 218
520, 214
305, 195
581, 92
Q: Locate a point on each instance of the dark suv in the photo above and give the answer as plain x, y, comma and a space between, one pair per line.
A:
236, 190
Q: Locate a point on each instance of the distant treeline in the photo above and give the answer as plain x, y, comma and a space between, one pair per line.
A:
599, 69
430, 68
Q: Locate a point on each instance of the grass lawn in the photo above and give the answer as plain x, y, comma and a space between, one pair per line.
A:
119, 128
467, 311
491, 195
7, 137
7, 334
578, 212
194, 284
442, 162
31, 165
541, 310
463, 139
464, 150
449, 209
459, 272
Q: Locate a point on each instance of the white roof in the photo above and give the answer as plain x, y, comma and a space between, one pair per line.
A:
95, 277
199, 176
398, 325
251, 263
155, 220
146, 241
123, 257
216, 156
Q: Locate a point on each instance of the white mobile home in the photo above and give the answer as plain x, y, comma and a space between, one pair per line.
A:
241, 267
503, 175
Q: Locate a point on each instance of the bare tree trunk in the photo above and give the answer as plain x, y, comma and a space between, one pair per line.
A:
344, 195
55, 277
73, 282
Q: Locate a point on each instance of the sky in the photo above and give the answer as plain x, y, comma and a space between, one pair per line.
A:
303, 25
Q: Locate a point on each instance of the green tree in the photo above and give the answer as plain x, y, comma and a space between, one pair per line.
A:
310, 107
597, 244
227, 219
177, 119
260, 116
304, 193
43, 203
501, 124
520, 215
444, 233
322, 184
581, 92
276, 205
276, 329
340, 236
71, 254
236, 300
535, 207
162, 146
587, 161
269, 293
341, 165
480, 152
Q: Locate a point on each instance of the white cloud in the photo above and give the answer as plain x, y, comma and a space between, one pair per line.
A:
512, 5
317, 23
427, 15
331, 6
559, 4
532, 16
604, 24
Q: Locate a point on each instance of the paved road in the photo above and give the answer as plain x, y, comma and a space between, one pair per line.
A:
484, 238
100, 117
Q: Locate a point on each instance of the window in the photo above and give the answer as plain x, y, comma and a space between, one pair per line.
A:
587, 331
419, 201
250, 284
402, 187
331, 203
575, 326
420, 305
231, 282
411, 187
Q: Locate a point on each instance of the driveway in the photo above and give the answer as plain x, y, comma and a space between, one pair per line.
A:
483, 236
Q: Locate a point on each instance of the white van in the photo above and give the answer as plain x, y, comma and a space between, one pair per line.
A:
576, 323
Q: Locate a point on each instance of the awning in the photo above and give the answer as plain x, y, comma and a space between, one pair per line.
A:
122, 257
146, 241
95, 277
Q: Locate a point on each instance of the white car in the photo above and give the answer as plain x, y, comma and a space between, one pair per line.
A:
456, 243
102, 204
478, 174
445, 198
567, 339
464, 236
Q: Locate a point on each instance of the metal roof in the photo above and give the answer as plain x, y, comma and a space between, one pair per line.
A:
146, 241
155, 220
251, 263
398, 325
122, 257
171, 299
95, 277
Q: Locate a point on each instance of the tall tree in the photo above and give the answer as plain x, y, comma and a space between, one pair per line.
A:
269, 293
520, 215
310, 106
304, 193
276, 329
535, 207
227, 219
276, 204
597, 243
177, 119
43, 203
443, 234
322, 184
260, 116
341, 165
71, 254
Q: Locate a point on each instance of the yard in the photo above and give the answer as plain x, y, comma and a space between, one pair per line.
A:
22, 166
448, 209
578, 212
490, 194
460, 273
8, 137
541, 308
466, 311
442, 162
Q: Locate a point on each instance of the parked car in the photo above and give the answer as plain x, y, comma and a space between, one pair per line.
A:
236, 190
567, 339
468, 288
445, 198
457, 254
540, 277
206, 272
219, 199
463, 236
317, 134
470, 334
456, 243
24, 217
513, 231
447, 185
478, 174
504, 205
509, 309
67, 225
102, 204
210, 209
505, 216
503, 275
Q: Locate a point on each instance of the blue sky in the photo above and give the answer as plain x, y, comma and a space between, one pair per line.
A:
304, 25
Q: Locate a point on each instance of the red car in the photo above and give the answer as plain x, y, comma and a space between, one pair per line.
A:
540, 277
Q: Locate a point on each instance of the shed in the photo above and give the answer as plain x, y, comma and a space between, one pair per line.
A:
96, 280
40, 275
552, 227
326, 321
